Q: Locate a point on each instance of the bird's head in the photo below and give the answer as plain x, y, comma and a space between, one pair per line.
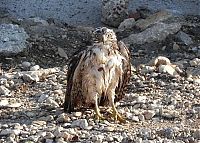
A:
105, 35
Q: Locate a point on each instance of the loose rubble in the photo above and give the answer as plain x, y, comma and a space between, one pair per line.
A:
161, 105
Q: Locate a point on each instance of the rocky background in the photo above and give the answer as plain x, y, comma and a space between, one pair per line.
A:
162, 104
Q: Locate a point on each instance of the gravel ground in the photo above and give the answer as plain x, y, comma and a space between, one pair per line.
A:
160, 106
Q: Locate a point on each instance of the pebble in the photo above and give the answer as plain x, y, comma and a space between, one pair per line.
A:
63, 118
82, 123
149, 114
26, 64
43, 97
31, 77
52, 102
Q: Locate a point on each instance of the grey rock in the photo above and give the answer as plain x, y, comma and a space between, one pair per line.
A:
39, 20
127, 24
193, 71
52, 102
82, 123
196, 134
63, 118
184, 38
12, 39
43, 97
155, 18
114, 12
156, 33
31, 77
149, 114
26, 64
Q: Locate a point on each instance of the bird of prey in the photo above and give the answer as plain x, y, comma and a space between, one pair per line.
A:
98, 75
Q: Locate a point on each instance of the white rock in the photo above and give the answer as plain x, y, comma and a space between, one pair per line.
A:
77, 114
168, 69
127, 24
176, 46
160, 60
196, 81
4, 102
52, 102
35, 68
109, 128
82, 123
195, 62
135, 118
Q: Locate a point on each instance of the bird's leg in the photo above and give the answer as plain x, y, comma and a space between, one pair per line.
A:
97, 110
115, 113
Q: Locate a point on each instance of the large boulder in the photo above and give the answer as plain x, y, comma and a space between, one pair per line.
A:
114, 12
12, 39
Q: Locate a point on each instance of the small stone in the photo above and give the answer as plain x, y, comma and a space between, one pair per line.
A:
135, 118
82, 123
168, 69
127, 24
141, 117
26, 64
184, 38
35, 68
149, 114
195, 62
109, 129
43, 97
58, 132
176, 46
160, 60
197, 81
4, 102
63, 118
52, 102
40, 123
49, 141
109, 139
77, 114
4, 91
196, 134
31, 77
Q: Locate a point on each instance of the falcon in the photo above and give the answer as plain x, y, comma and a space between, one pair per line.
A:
98, 75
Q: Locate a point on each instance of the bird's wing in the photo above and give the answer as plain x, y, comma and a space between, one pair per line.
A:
73, 69
126, 67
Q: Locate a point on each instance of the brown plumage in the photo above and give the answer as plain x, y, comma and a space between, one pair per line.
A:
99, 74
